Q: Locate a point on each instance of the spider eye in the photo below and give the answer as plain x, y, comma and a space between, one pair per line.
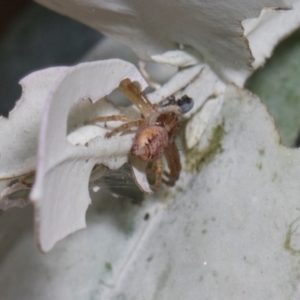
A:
185, 104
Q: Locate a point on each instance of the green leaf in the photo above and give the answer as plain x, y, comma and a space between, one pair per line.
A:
277, 84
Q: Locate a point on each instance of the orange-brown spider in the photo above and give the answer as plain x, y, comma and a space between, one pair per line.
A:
157, 129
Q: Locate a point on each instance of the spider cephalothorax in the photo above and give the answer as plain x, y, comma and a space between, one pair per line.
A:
157, 130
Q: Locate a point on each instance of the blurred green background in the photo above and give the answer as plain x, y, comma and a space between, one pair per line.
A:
278, 86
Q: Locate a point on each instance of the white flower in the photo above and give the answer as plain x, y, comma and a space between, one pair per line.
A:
237, 191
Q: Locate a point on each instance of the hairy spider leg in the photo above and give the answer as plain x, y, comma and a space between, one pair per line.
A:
126, 126
137, 97
173, 161
157, 170
158, 167
110, 118
151, 169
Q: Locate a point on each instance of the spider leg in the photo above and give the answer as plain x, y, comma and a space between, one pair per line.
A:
158, 173
151, 169
173, 161
109, 118
137, 97
126, 126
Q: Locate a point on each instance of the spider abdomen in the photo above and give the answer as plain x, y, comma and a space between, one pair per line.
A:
150, 143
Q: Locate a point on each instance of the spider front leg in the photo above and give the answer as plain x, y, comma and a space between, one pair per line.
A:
109, 118
125, 127
173, 161
131, 123
137, 97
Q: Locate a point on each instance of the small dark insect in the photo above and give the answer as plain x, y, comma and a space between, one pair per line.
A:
157, 129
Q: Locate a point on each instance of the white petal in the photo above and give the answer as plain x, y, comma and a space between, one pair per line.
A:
232, 231
265, 32
13, 194
197, 125
60, 192
139, 173
178, 58
212, 29
19, 133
